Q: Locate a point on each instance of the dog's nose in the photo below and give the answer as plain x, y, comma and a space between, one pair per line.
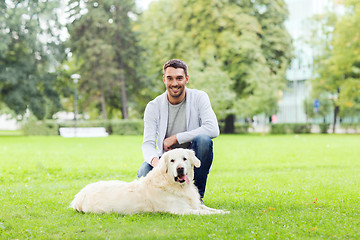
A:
180, 171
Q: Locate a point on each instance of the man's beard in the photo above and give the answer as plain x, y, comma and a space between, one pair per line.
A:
178, 93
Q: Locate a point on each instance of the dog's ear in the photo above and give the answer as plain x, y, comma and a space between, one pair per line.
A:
163, 163
194, 160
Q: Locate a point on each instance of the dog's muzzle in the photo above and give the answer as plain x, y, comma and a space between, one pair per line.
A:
181, 176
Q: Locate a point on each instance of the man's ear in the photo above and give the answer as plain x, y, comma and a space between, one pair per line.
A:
194, 160
163, 163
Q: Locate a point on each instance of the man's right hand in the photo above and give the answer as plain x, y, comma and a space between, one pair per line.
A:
154, 162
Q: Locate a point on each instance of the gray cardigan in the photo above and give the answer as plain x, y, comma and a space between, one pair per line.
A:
200, 118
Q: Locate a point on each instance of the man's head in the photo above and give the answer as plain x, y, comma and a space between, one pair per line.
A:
175, 79
176, 63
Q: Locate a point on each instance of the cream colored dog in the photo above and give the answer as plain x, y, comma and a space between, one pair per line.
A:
167, 188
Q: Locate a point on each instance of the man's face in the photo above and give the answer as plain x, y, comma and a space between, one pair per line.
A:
175, 82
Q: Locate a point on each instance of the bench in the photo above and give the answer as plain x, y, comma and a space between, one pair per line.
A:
83, 132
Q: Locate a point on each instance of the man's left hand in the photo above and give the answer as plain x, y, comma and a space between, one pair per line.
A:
169, 142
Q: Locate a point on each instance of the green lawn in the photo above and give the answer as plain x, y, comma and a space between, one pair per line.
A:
276, 187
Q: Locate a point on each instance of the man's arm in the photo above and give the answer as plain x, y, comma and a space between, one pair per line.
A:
154, 162
150, 133
168, 142
209, 124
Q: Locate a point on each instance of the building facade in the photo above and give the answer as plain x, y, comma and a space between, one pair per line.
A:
300, 71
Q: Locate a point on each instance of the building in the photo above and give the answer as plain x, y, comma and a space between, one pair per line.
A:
291, 106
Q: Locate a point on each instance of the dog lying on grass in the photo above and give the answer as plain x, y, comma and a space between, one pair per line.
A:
167, 188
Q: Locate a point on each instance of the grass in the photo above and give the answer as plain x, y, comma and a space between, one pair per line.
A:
11, 133
276, 187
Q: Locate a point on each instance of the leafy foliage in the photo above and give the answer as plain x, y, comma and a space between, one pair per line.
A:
323, 110
338, 64
237, 51
104, 43
30, 48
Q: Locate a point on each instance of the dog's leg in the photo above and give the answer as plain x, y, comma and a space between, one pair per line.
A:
213, 210
199, 211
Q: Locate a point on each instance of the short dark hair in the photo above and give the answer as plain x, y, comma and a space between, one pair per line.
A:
176, 63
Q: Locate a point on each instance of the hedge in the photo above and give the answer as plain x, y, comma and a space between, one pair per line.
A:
239, 128
115, 127
289, 128
43, 128
324, 127
350, 126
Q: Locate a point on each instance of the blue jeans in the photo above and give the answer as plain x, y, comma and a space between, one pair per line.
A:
203, 148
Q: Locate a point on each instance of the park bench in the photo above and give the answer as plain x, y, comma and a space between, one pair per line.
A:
83, 132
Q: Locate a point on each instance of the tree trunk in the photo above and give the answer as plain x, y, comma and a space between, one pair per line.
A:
336, 111
123, 93
264, 126
103, 104
229, 124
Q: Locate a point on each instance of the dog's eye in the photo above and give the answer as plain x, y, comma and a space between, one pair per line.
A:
172, 160
185, 159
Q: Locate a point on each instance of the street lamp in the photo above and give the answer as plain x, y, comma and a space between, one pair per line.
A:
76, 78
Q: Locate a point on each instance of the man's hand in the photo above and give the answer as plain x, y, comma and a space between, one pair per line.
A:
169, 142
154, 162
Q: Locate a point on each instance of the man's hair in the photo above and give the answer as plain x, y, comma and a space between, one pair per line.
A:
176, 63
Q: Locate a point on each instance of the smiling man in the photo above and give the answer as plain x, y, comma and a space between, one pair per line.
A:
179, 118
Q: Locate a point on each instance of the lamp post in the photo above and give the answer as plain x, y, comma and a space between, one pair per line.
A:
76, 78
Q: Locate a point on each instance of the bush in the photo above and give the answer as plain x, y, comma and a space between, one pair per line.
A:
288, 128
301, 128
278, 129
350, 126
116, 127
241, 128
324, 127
127, 127
43, 128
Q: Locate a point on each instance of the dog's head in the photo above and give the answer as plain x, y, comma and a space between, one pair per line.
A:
179, 164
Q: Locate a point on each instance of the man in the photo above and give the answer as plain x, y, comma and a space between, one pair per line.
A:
179, 118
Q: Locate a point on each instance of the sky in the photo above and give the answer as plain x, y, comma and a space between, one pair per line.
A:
143, 4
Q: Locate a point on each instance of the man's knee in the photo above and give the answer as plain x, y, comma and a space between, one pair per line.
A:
203, 141
144, 169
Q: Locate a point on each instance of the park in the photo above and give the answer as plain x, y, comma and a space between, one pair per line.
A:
274, 83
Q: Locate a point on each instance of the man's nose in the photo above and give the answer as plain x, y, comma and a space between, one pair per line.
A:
175, 83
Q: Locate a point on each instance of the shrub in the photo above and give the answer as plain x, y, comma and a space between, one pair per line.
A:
43, 128
127, 127
241, 128
116, 127
324, 127
279, 128
300, 128
288, 128
350, 126
221, 126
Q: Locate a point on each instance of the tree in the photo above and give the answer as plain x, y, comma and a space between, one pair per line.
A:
337, 65
104, 43
237, 50
325, 106
30, 49
345, 60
